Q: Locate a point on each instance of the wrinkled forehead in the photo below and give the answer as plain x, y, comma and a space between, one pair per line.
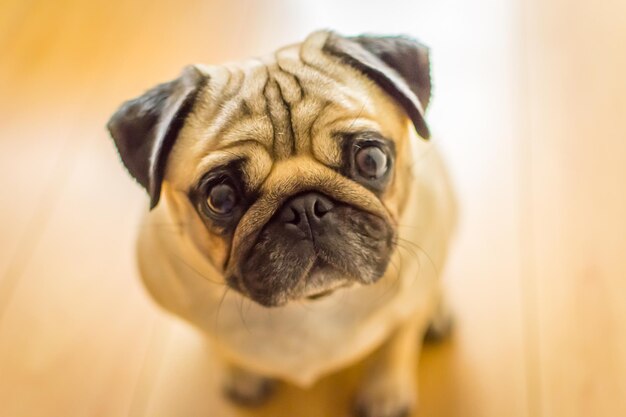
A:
295, 102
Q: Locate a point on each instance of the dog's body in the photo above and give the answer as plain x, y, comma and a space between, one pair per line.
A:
301, 341
330, 239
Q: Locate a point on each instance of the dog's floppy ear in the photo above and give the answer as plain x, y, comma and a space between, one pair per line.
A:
398, 64
145, 128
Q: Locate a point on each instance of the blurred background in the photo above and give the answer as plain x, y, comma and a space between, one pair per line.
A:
529, 107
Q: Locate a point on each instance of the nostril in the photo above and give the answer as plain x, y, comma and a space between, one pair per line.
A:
320, 208
303, 210
295, 217
290, 216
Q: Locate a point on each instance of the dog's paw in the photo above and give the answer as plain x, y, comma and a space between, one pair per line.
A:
383, 398
248, 389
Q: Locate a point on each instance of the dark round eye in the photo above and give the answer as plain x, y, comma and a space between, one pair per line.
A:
371, 162
222, 199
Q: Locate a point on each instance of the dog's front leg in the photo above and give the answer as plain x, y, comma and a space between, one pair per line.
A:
390, 387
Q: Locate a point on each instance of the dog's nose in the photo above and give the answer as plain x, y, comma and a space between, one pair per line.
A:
305, 212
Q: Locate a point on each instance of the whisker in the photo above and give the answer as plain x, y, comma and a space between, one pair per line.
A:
425, 154
243, 320
415, 255
182, 260
219, 309
250, 304
408, 226
394, 284
357, 117
408, 249
418, 247
430, 259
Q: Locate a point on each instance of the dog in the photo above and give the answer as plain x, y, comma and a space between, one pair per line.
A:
302, 185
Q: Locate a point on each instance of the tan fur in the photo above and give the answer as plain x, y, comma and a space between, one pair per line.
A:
181, 263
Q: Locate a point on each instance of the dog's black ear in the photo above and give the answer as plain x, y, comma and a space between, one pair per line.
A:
399, 65
145, 128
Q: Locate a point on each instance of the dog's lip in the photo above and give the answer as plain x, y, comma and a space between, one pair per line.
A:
328, 291
321, 294
325, 290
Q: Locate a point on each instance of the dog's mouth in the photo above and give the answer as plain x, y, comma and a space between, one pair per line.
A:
323, 280
327, 292
349, 247
319, 295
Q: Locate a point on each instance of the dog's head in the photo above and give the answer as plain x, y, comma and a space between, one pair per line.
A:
288, 172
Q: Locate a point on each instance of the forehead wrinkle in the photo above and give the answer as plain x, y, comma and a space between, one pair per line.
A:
346, 98
195, 138
213, 161
292, 94
326, 143
254, 84
314, 80
309, 108
258, 166
279, 112
216, 107
232, 115
235, 81
289, 85
327, 150
231, 120
256, 159
335, 118
326, 96
309, 111
312, 54
254, 128
213, 128
321, 91
210, 98
348, 84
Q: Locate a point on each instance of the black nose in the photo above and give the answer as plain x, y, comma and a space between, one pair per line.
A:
305, 212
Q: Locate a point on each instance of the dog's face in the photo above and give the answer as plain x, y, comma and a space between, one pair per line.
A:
288, 173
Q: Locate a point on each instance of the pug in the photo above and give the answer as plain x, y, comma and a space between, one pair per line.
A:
300, 218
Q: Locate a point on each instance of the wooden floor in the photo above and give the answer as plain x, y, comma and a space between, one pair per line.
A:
530, 108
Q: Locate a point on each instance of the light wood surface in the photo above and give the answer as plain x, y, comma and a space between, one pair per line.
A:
529, 107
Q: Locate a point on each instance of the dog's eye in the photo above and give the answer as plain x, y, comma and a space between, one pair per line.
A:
372, 162
222, 199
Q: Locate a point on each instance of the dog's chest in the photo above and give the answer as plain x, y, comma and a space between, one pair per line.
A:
303, 341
